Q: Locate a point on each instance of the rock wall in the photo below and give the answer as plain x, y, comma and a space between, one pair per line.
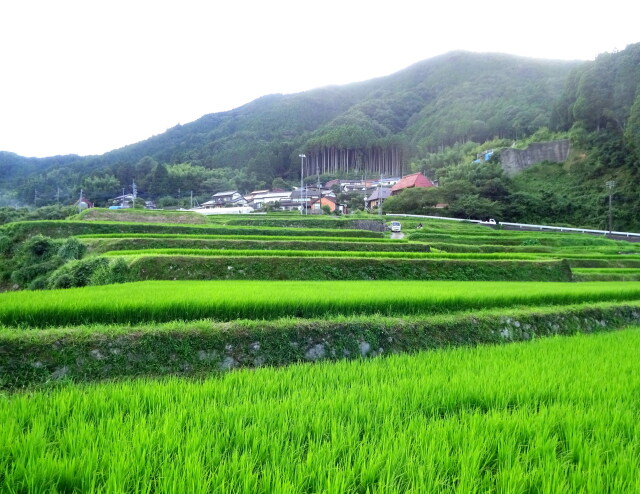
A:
35, 357
516, 160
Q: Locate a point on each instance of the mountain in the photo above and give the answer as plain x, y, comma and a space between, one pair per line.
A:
432, 103
389, 125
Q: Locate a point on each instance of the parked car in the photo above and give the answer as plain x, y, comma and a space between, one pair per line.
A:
396, 226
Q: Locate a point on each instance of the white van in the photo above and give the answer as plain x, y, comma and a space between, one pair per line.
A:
396, 226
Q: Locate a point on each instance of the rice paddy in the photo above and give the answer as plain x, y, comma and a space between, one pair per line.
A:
222, 300
548, 415
317, 253
554, 415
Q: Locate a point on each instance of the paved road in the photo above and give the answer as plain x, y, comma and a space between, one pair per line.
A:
397, 235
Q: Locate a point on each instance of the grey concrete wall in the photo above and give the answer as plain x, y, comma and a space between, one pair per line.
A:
516, 160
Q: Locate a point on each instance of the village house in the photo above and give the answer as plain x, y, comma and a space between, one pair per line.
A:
121, 202
289, 205
351, 185
411, 181
227, 198
304, 196
263, 198
377, 196
316, 205
387, 182
251, 196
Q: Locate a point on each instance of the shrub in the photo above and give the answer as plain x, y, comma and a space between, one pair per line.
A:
76, 273
25, 272
40, 283
115, 272
71, 249
5, 245
531, 241
37, 248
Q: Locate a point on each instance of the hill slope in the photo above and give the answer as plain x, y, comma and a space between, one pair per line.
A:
432, 103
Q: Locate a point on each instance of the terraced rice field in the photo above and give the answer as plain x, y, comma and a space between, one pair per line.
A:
222, 300
556, 414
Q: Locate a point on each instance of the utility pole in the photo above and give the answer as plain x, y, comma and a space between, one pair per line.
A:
380, 197
135, 193
610, 185
191, 200
302, 157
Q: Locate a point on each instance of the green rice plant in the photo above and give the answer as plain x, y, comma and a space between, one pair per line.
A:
552, 415
58, 229
487, 248
318, 253
264, 267
311, 221
224, 300
141, 215
519, 239
615, 260
101, 245
608, 270
270, 238
605, 262
95, 352
606, 274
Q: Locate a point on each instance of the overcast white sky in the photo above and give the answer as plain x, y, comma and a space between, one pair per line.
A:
88, 76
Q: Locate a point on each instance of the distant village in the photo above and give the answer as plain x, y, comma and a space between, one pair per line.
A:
311, 199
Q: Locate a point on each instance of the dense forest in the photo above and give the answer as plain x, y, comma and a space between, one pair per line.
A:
434, 116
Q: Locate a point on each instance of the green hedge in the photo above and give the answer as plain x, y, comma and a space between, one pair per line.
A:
606, 274
58, 229
519, 239
619, 262
104, 245
141, 216
91, 353
291, 268
222, 236
490, 248
311, 222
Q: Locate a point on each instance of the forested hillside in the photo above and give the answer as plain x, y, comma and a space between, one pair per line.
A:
600, 110
434, 103
433, 116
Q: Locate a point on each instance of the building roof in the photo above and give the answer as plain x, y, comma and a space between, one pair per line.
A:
226, 193
413, 180
309, 194
271, 195
320, 199
331, 183
383, 192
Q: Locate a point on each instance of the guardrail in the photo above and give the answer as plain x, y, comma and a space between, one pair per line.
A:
566, 229
526, 225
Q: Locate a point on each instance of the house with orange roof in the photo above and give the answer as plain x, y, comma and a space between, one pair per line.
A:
411, 181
